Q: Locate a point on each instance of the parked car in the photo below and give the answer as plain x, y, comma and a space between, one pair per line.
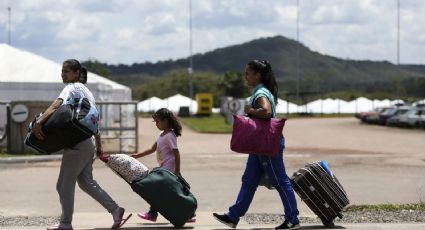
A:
363, 115
375, 118
413, 118
399, 115
384, 116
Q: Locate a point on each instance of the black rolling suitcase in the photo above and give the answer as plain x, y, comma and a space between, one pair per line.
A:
169, 194
319, 188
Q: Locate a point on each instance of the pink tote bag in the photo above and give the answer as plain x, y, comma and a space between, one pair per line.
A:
257, 136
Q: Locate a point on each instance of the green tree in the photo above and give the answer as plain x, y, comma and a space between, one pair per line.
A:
233, 84
97, 67
177, 81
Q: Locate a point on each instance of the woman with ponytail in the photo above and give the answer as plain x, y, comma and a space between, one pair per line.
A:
77, 161
260, 78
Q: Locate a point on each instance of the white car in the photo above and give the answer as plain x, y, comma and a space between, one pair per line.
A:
414, 118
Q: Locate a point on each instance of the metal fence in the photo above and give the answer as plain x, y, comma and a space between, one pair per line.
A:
118, 126
4, 106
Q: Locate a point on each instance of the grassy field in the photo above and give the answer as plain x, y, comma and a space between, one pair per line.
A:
211, 124
217, 123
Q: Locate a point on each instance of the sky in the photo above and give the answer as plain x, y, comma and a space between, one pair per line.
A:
136, 31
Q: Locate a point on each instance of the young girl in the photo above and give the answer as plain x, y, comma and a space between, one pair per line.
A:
168, 155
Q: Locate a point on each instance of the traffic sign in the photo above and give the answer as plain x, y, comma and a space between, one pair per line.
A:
19, 113
234, 105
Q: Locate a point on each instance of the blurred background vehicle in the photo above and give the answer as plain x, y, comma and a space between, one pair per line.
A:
414, 118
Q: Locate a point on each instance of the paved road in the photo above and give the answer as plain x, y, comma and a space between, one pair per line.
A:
374, 164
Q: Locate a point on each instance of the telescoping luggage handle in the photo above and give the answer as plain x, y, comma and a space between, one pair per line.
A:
183, 181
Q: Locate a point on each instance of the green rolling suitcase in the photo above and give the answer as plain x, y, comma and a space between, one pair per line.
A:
169, 194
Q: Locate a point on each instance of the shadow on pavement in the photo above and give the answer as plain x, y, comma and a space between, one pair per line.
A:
302, 228
149, 227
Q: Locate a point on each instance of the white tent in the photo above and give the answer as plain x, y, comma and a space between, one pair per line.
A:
358, 105
25, 76
420, 102
381, 103
174, 103
328, 105
150, 104
315, 106
397, 102
285, 106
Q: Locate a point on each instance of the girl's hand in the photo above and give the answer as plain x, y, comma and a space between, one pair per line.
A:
104, 158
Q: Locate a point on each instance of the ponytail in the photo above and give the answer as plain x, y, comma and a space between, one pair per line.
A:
83, 75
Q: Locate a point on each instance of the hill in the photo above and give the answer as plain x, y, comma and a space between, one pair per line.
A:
317, 72
282, 53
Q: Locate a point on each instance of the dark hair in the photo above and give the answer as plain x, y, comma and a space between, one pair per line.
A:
173, 122
75, 65
267, 76
83, 75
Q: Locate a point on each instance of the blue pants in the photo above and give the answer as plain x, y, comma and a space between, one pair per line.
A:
275, 170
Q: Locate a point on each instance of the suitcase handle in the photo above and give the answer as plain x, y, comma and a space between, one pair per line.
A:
183, 181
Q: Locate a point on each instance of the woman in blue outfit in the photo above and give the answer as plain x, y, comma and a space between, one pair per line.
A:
260, 78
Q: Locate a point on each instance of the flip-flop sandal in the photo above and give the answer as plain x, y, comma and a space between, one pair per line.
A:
121, 223
58, 227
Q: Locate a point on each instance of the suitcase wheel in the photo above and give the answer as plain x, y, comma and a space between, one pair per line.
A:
328, 224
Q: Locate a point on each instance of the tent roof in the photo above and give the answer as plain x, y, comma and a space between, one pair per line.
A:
150, 104
22, 66
178, 98
173, 103
151, 100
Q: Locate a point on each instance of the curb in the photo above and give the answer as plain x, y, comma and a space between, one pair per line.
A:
30, 159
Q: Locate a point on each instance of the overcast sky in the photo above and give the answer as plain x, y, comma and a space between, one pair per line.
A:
129, 31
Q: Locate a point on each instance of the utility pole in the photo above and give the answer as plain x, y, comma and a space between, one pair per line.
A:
398, 50
398, 32
298, 53
9, 25
190, 69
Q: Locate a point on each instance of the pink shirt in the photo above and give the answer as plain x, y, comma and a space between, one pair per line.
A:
165, 145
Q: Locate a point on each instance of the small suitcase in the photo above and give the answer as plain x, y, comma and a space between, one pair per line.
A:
319, 188
169, 194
